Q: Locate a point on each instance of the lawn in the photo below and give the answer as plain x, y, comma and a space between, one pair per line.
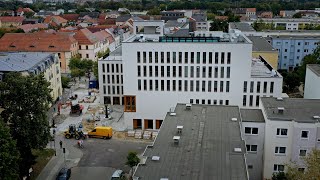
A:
43, 157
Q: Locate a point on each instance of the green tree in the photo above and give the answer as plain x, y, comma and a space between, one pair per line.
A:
9, 155
292, 81
219, 25
65, 81
29, 14
279, 176
132, 159
313, 58
312, 170
154, 11
25, 100
297, 15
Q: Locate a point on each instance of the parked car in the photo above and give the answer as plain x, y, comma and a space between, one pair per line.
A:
64, 174
118, 175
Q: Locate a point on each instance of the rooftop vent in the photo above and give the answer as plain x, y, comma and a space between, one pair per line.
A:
164, 178
176, 139
280, 110
279, 99
188, 106
237, 150
316, 117
234, 119
179, 129
173, 114
155, 158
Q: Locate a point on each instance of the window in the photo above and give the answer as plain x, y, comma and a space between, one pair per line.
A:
191, 86
108, 68
209, 101
209, 86
168, 85
221, 86
150, 71
192, 71
173, 85
227, 86
150, 57
210, 57
145, 85
108, 78
222, 72
156, 71
258, 87
271, 87
204, 57
156, 57
285, 50
250, 100
150, 85
203, 101
282, 132
222, 58
180, 85
197, 86
251, 148
144, 71
139, 84
229, 58
197, 101
129, 103
203, 71
278, 167
168, 57
216, 72
210, 72
191, 101
198, 72
245, 86
186, 57
280, 150
144, 57
216, 58
257, 100
228, 72
214, 102
304, 134
203, 86
112, 67
180, 57
215, 87
265, 87
198, 57
156, 85
251, 86
162, 71
180, 71
186, 71
221, 102
185, 85
250, 166
87, 47
87, 55
174, 58
162, 57
168, 71
162, 85
302, 152
250, 130
117, 68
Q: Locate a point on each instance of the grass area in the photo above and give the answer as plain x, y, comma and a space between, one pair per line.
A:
43, 157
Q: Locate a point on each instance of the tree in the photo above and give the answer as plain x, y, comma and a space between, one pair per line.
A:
26, 100
9, 155
29, 14
279, 176
292, 81
219, 25
65, 81
132, 159
154, 11
313, 58
312, 170
297, 15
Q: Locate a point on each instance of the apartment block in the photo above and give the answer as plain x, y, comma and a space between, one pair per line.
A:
292, 49
34, 63
159, 72
312, 82
292, 130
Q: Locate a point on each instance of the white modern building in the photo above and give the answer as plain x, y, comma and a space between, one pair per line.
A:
292, 130
159, 72
312, 82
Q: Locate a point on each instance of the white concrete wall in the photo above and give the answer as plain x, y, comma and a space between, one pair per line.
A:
312, 85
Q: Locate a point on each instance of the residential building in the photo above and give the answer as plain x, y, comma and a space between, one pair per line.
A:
312, 82
10, 21
64, 44
287, 14
253, 127
55, 21
200, 142
292, 49
171, 15
33, 27
201, 21
247, 12
261, 47
196, 70
292, 130
34, 63
289, 23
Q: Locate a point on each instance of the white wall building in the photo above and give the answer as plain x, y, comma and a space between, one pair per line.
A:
292, 130
312, 82
159, 72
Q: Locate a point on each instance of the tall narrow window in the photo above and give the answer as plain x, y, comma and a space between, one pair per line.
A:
180, 71
139, 84
112, 67
204, 57
156, 57
258, 87
129, 104
250, 100
209, 86
174, 85
103, 68
174, 71
203, 86
221, 86
265, 87
117, 68
210, 57
150, 57
144, 57
162, 57
257, 100
180, 57
228, 72
222, 72
185, 85
192, 57
203, 71
150, 85
192, 71
244, 100
198, 57
156, 71
229, 58
168, 85
162, 85
228, 86
139, 71
180, 85
150, 71
145, 85
198, 71
138, 57
215, 72
191, 85
174, 57
168, 57
162, 71
251, 86
210, 72
216, 58
156, 85
271, 87
222, 58
197, 86
108, 68
245, 86
144, 71
186, 57
215, 87
185, 71
168, 71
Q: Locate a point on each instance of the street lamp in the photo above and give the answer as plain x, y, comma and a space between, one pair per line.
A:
54, 142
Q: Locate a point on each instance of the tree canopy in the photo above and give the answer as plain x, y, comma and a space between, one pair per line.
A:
132, 159
26, 100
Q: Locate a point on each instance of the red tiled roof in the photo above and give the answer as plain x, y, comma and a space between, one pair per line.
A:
28, 27
109, 21
15, 19
56, 19
70, 17
251, 10
37, 42
84, 36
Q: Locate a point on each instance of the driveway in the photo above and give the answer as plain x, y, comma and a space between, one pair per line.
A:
110, 153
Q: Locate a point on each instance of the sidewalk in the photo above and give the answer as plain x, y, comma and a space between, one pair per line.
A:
72, 158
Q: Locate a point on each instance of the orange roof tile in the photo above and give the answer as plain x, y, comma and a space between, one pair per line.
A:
70, 17
37, 42
15, 19
56, 19
28, 27
84, 36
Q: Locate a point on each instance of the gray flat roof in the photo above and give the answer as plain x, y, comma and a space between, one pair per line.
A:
314, 68
21, 61
295, 109
251, 115
245, 27
260, 44
295, 37
205, 149
260, 68
116, 52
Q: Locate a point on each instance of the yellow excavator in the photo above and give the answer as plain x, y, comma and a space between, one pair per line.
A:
73, 132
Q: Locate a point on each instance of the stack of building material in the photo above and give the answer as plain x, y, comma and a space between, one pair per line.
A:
138, 134
147, 135
131, 133
154, 135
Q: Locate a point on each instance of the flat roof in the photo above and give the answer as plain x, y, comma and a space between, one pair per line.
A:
117, 52
22, 61
261, 68
315, 68
245, 27
206, 149
295, 109
295, 37
260, 44
252, 115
